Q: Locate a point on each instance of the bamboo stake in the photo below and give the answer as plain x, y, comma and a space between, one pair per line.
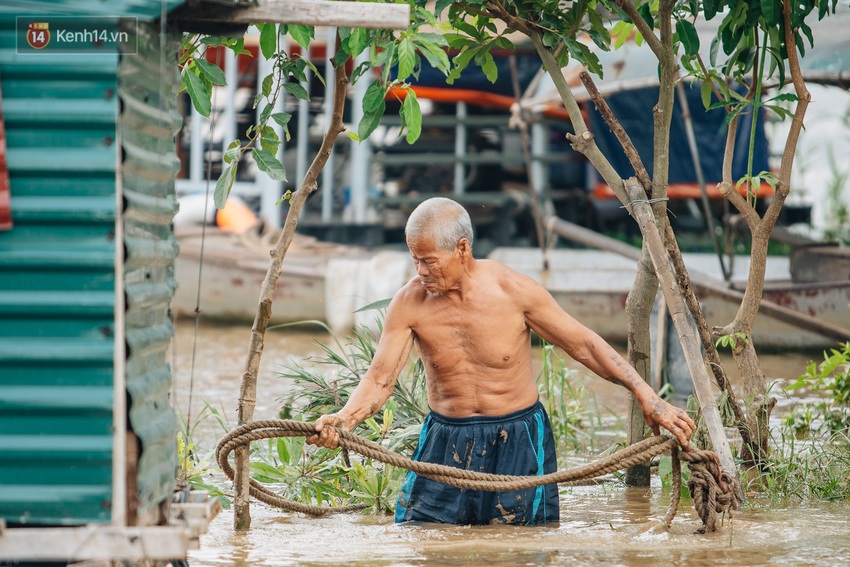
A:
641, 210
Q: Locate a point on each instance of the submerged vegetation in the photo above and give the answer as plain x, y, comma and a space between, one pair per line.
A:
810, 456
811, 446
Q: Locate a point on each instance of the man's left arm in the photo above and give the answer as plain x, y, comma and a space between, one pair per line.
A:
558, 327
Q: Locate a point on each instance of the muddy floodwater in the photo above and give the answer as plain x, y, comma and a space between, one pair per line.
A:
602, 525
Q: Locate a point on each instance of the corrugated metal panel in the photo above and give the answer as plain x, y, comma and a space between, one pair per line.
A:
57, 286
149, 121
5, 218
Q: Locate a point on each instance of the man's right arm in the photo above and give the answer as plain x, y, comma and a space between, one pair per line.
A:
377, 384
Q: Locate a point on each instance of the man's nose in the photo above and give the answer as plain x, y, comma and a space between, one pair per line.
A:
422, 269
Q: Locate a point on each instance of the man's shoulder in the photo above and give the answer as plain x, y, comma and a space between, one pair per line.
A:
503, 274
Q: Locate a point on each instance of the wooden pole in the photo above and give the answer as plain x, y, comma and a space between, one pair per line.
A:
307, 12
641, 210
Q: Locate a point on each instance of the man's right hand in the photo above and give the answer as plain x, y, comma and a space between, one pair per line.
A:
327, 434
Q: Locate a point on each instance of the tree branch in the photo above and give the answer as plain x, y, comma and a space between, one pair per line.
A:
651, 39
617, 128
248, 388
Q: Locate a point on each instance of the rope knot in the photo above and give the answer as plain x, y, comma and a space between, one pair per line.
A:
714, 490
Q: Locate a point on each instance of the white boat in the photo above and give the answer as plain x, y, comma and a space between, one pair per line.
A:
222, 273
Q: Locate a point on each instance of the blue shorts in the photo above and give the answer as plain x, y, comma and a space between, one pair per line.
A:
519, 443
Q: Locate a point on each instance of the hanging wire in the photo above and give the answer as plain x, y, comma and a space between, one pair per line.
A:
218, 53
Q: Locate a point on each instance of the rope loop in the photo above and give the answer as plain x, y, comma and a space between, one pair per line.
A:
714, 491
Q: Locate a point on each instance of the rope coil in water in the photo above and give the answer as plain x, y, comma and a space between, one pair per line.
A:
713, 490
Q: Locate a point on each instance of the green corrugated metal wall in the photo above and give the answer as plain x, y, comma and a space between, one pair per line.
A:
57, 276
57, 287
149, 123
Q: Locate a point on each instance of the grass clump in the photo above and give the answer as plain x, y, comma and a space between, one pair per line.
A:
811, 446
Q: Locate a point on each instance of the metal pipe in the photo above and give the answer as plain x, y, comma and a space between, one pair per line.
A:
361, 152
328, 170
303, 145
269, 189
460, 149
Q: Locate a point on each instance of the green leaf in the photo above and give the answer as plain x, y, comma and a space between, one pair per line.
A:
301, 34
269, 164
458, 41
406, 58
283, 450
266, 88
380, 304
622, 34
233, 151
296, 90
374, 97
342, 55
598, 32
268, 39
491, 71
442, 5
459, 63
790, 97
412, 116
646, 13
211, 72
688, 36
436, 55
316, 73
370, 121
282, 118
224, 185
770, 11
197, 91
357, 41
352, 135
270, 140
780, 110
705, 93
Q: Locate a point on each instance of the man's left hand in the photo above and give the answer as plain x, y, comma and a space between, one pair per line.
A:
659, 413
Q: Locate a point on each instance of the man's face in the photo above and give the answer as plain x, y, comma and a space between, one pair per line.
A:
438, 270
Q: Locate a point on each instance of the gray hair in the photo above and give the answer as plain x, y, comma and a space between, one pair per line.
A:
444, 220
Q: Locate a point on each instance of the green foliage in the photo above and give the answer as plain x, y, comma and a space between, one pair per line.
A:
193, 468
818, 467
830, 380
811, 455
572, 408
731, 340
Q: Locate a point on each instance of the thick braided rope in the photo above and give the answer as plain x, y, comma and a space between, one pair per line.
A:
632, 455
713, 489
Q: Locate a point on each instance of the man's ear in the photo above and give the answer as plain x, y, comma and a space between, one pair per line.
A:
463, 248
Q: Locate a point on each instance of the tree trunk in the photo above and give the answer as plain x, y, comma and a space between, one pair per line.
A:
641, 211
638, 310
248, 389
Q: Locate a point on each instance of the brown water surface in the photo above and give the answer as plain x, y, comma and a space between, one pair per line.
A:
607, 525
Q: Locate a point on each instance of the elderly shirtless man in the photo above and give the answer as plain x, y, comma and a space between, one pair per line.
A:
471, 321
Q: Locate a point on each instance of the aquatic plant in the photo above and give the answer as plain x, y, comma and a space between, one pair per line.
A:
192, 468
811, 456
